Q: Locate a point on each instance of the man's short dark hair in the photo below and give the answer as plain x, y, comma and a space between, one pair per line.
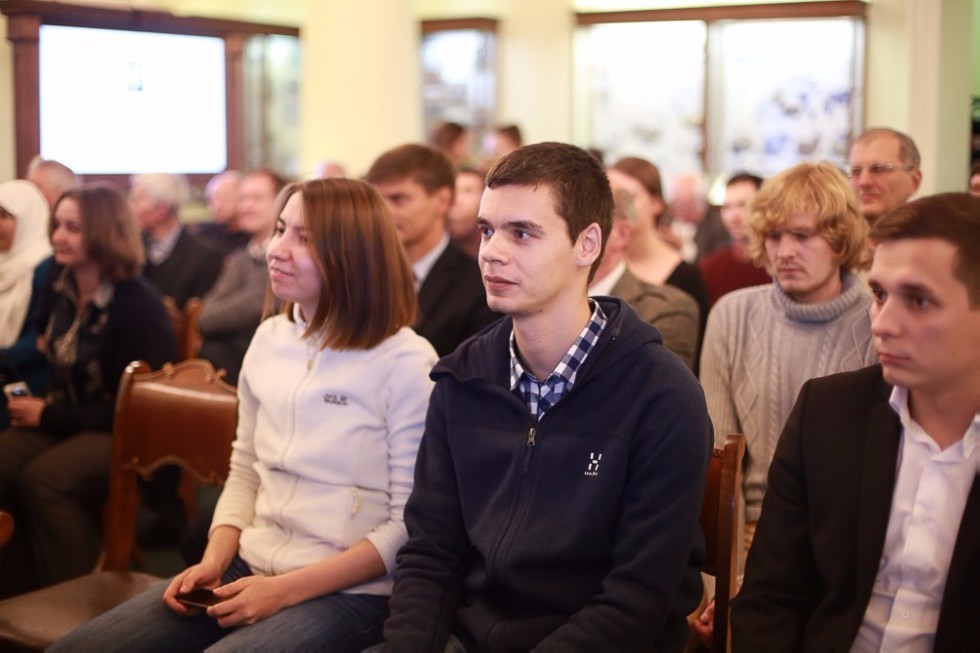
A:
512, 132
578, 184
953, 217
422, 164
278, 181
745, 178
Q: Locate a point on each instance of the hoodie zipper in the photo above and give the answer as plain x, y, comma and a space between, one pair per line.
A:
528, 450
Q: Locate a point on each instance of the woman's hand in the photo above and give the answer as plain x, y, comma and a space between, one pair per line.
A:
205, 575
249, 599
25, 411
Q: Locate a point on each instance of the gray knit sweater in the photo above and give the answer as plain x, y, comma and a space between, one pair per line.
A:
760, 347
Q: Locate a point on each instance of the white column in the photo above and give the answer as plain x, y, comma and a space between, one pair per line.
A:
919, 82
361, 92
535, 68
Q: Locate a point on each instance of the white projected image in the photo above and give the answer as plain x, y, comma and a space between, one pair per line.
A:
128, 102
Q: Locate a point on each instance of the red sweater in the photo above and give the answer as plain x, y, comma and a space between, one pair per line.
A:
725, 271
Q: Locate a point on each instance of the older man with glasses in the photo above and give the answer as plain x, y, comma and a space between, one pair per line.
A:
884, 170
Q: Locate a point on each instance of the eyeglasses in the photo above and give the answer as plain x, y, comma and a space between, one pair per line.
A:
876, 169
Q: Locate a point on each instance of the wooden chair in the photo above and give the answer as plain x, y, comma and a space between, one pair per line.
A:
187, 337
720, 523
184, 415
185, 326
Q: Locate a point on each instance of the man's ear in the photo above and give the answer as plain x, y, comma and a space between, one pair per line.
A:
659, 206
588, 246
444, 197
620, 234
916, 180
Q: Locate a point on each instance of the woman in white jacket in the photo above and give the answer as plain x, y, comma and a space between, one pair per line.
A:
333, 395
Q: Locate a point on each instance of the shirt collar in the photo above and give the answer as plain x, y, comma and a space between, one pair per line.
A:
159, 249
567, 369
605, 285
899, 401
423, 266
65, 285
257, 251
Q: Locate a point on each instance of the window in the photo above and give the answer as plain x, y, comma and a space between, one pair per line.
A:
721, 89
459, 74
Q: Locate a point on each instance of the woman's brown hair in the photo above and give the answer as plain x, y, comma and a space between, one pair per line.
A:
367, 289
109, 231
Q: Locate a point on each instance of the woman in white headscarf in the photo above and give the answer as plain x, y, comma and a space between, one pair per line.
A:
25, 258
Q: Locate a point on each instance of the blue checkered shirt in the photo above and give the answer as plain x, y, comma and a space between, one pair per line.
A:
541, 396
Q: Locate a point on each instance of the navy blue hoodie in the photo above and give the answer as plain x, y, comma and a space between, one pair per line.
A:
576, 533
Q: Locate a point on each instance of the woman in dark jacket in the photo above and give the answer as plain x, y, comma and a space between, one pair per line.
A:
54, 460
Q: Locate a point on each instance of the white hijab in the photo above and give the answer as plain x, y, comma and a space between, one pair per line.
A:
24, 201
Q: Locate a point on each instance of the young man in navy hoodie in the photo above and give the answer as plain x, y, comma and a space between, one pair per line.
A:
560, 477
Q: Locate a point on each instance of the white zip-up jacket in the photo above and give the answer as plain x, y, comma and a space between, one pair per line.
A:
325, 448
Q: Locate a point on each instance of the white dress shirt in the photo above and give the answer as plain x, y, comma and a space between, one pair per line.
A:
931, 489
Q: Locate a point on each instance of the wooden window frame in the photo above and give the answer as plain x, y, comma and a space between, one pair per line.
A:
24, 20
834, 9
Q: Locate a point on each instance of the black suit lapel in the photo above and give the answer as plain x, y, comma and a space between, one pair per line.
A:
437, 281
877, 470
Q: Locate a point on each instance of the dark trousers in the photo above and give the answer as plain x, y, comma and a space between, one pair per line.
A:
55, 488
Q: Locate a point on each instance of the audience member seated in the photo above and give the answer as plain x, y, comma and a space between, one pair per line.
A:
223, 233
417, 183
54, 460
452, 140
233, 309
560, 477
763, 343
648, 257
178, 263
729, 268
884, 170
868, 539
461, 220
333, 396
694, 223
25, 262
52, 177
670, 309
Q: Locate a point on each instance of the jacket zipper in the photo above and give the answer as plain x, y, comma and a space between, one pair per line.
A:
528, 450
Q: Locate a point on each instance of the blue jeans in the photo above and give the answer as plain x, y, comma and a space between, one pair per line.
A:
337, 622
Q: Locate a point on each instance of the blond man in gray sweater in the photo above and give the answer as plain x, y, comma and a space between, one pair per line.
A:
763, 343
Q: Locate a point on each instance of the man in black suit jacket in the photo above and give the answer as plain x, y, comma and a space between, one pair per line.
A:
417, 183
178, 263
869, 537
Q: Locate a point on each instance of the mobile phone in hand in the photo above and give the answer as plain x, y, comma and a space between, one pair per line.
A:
16, 389
198, 598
